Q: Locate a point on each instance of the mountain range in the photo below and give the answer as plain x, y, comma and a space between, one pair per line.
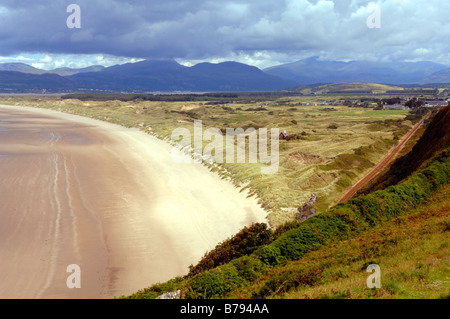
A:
442, 76
170, 76
144, 76
313, 71
25, 68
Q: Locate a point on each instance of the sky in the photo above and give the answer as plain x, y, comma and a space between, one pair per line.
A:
262, 33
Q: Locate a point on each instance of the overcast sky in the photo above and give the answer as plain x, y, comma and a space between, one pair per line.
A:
257, 32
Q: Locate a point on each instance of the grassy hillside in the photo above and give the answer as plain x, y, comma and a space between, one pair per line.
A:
412, 251
402, 228
436, 137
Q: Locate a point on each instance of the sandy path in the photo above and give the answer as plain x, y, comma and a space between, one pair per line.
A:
383, 163
109, 199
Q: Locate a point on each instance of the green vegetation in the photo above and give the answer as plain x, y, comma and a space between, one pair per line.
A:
412, 251
243, 243
288, 265
350, 88
211, 98
403, 226
434, 138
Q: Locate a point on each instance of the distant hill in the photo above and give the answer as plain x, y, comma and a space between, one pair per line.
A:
442, 76
25, 68
314, 71
168, 75
70, 71
20, 67
18, 82
144, 76
336, 88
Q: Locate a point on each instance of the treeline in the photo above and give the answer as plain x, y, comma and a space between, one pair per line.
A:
417, 91
218, 97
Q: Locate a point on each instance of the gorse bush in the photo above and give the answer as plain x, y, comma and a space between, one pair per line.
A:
310, 235
243, 243
296, 242
269, 255
214, 283
249, 268
218, 281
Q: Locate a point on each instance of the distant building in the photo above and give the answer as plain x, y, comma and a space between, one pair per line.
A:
435, 103
396, 107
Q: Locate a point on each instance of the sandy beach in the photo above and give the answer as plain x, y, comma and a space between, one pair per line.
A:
107, 198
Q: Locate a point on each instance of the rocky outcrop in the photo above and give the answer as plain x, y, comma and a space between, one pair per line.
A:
170, 295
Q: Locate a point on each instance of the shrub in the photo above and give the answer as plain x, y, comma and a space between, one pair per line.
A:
346, 214
330, 227
249, 268
296, 242
285, 227
213, 283
269, 255
392, 203
368, 207
217, 282
243, 243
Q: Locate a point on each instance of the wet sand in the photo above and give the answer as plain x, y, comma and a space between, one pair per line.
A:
109, 199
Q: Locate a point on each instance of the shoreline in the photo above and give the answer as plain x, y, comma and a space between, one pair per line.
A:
187, 220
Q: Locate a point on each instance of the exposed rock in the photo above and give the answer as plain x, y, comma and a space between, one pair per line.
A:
170, 295
306, 211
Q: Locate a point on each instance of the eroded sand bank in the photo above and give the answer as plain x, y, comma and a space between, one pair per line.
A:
109, 199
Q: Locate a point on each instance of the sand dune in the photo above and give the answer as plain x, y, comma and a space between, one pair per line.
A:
109, 199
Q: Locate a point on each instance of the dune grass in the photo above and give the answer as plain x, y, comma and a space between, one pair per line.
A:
329, 151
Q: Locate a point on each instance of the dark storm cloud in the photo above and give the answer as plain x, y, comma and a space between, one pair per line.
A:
193, 29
